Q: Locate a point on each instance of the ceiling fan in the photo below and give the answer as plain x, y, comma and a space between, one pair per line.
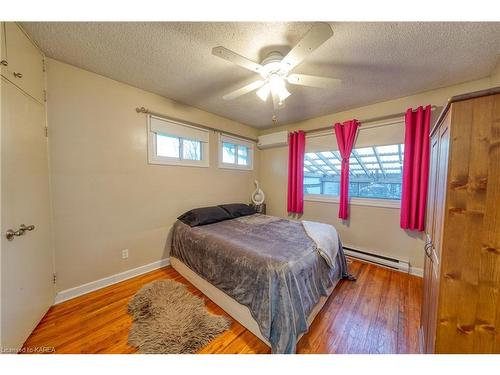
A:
275, 68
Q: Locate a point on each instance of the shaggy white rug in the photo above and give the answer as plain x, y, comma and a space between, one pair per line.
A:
167, 319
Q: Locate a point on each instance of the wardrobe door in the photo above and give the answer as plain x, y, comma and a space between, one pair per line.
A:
469, 307
426, 303
441, 184
431, 203
436, 244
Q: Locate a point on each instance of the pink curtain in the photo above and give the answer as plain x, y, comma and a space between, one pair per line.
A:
296, 146
346, 136
415, 168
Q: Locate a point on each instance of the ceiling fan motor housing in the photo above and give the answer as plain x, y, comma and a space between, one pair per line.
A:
272, 65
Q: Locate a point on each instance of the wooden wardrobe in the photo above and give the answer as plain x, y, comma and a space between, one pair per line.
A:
461, 297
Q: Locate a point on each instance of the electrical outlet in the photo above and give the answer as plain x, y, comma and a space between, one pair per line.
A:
124, 253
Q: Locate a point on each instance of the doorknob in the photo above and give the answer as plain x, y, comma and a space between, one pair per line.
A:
10, 234
26, 228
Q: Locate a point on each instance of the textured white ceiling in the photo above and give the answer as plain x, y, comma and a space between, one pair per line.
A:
376, 61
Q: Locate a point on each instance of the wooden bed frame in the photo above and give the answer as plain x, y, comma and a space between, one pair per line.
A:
235, 309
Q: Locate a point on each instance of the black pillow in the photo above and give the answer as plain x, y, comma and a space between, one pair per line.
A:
203, 216
238, 209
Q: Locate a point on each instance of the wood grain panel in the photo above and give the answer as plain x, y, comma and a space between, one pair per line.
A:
379, 313
469, 307
488, 310
458, 226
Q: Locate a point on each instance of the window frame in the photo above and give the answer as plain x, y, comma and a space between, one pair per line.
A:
238, 142
155, 159
357, 201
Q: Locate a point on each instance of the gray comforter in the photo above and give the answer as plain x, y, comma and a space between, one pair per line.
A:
266, 263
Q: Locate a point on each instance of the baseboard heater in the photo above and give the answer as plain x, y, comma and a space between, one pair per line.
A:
396, 264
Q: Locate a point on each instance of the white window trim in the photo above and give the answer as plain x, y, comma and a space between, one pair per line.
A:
371, 202
153, 158
238, 142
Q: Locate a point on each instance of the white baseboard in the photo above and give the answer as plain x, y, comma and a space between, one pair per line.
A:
371, 257
68, 294
417, 271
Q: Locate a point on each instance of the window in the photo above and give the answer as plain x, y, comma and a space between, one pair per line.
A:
173, 143
235, 153
374, 172
228, 153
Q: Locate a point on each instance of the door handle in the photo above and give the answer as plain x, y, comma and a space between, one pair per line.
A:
428, 245
11, 234
26, 228
428, 248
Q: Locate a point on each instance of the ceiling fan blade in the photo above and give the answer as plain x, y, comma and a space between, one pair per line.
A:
315, 37
233, 57
244, 90
314, 81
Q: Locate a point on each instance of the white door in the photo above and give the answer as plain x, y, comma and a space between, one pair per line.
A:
3, 50
24, 62
26, 260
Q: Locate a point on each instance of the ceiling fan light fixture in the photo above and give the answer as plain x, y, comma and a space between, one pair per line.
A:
263, 92
283, 93
275, 68
278, 87
276, 82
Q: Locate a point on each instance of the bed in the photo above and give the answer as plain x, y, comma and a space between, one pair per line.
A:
266, 272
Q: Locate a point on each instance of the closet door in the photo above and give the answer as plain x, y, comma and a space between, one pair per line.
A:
27, 266
3, 50
25, 62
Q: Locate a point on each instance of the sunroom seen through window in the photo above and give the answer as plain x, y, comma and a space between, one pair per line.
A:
374, 172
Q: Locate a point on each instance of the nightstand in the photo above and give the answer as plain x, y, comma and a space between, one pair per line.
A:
260, 208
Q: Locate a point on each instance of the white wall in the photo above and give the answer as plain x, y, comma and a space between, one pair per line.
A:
106, 196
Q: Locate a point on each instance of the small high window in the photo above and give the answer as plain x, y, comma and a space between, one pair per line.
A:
235, 153
174, 143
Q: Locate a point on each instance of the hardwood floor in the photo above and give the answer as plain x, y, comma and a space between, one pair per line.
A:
379, 313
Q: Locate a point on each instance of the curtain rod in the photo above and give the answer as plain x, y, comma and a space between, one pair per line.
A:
373, 119
147, 111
